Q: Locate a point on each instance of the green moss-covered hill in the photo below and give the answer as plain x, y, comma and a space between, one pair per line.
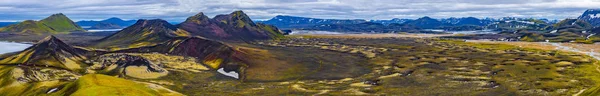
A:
103, 85
56, 23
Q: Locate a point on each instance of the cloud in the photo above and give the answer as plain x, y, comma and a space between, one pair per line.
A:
178, 10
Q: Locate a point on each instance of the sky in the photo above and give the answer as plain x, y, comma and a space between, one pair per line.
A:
178, 10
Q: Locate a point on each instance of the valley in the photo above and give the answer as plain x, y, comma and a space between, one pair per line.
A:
299, 48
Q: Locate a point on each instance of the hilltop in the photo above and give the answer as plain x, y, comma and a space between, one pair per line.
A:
236, 26
49, 52
592, 16
56, 23
142, 33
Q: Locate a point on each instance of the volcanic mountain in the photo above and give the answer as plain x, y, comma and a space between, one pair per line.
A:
236, 26
212, 53
57, 23
49, 52
142, 33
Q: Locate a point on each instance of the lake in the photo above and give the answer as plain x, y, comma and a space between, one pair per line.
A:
103, 30
303, 32
8, 47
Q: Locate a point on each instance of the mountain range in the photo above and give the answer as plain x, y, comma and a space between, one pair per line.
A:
56, 23
367, 27
592, 16
236, 26
392, 21
113, 20
289, 22
293, 22
106, 25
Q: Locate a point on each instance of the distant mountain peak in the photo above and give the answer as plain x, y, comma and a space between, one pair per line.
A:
56, 16
240, 15
592, 16
201, 14
426, 17
52, 41
50, 38
114, 19
240, 12
283, 16
199, 18
153, 23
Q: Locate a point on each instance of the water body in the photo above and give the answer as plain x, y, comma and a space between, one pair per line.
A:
103, 30
8, 47
593, 53
302, 32
486, 31
473, 32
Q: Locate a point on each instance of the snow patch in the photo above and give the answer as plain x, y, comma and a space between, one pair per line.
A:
230, 74
52, 90
588, 37
594, 16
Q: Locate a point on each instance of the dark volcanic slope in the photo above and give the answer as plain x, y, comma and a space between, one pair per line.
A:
211, 53
142, 33
49, 52
236, 26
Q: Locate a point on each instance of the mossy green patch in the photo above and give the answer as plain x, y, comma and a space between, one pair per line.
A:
103, 85
61, 23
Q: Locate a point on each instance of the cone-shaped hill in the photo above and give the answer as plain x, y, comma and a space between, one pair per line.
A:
142, 33
57, 23
236, 26
49, 52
